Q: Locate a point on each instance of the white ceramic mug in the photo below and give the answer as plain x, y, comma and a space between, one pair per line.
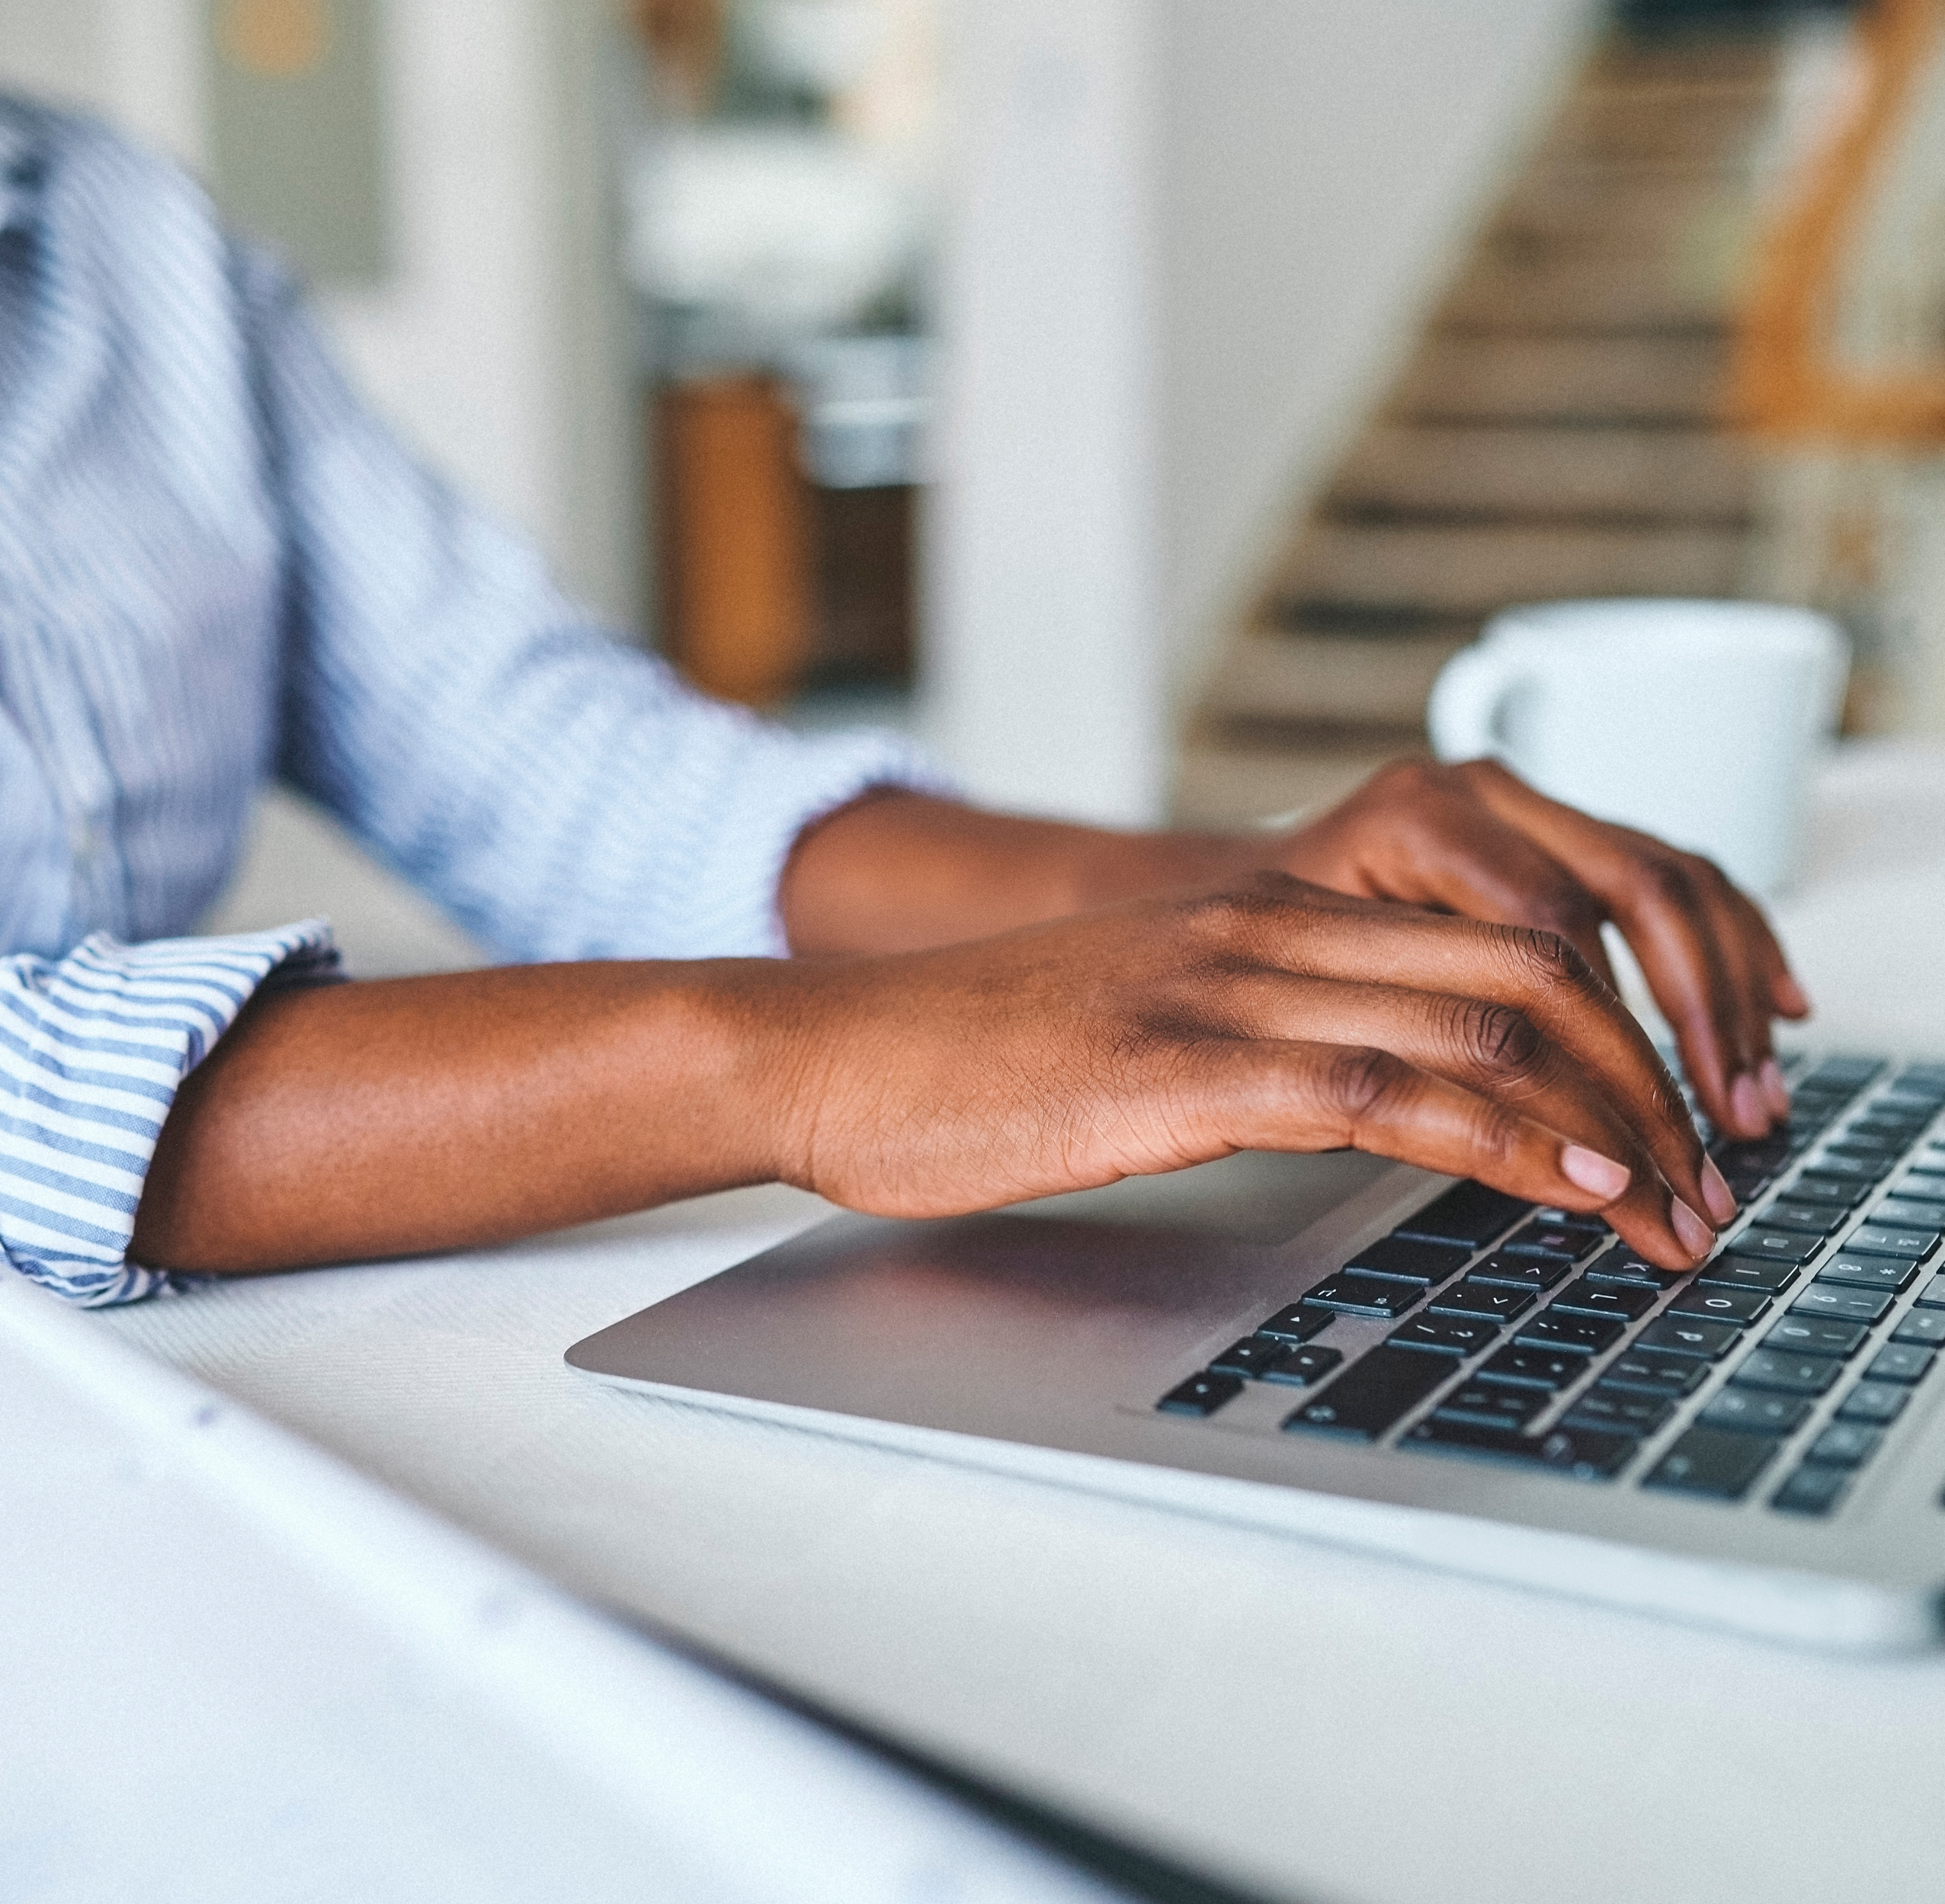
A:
1698, 721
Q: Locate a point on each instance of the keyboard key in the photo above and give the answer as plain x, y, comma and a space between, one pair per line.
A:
1405, 1260
1827, 1191
1859, 1173
1472, 1298
1445, 1334
1552, 1239
1250, 1356
1933, 1295
1814, 1335
1353, 1295
1877, 1403
1539, 1368
1584, 1335
1618, 1411
1739, 1306
1900, 1362
1903, 1213
1711, 1462
1622, 1264
1573, 1220
1810, 1220
1855, 1142
1882, 1239
1845, 1444
1304, 1368
1926, 1326
1766, 1368
1896, 1123
1736, 1271
1689, 1335
1581, 1453
1469, 1214
1749, 1411
1865, 1306
1200, 1394
1655, 1372
1774, 1245
1629, 1301
1811, 1490
1535, 1273
1890, 1274
1295, 1324
1370, 1395
1491, 1405
1915, 1187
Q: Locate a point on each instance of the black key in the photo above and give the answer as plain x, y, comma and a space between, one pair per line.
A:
1739, 1306
1522, 1272
1874, 1402
1585, 1334
1902, 1213
1888, 1273
1896, 1124
1200, 1394
1468, 1214
1926, 1326
1573, 1219
1811, 1490
1825, 1190
1809, 1219
1445, 1334
1933, 1295
1629, 1301
1859, 1172
1710, 1462
1352, 1295
1856, 1142
1490, 1404
1552, 1239
1883, 1240
1749, 1411
1774, 1245
1295, 1324
1847, 1072
1618, 1411
1473, 1298
1539, 1368
1250, 1356
1581, 1453
1689, 1335
1733, 1272
1864, 1305
1655, 1372
1928, 1078
1814, 1335
1767, 1368
1844, 1444
1621, 1264
1371, 1394
1900, 1362
1304, 1368
1915, 1187
1405, 1260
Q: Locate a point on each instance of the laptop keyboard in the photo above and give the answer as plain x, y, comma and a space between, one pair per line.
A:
1535, 1336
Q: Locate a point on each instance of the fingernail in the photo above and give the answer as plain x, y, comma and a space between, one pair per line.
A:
1598, 1175
1775, 1089
1746, 1102
1696, 1236
1715, 1192
1791, 997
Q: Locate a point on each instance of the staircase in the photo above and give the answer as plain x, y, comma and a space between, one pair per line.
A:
1555, 433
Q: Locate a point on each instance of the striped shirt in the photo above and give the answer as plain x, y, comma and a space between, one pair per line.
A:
215, 568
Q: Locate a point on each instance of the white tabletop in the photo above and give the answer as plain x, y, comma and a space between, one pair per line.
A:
1311, 1723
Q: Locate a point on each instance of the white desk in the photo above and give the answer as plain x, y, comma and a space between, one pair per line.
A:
1311, 1723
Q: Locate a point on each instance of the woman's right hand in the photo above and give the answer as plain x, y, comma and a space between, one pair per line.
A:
1277, 1016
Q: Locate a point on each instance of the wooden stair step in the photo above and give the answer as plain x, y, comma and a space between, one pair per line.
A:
1678, 125
1462, 376
1538, 470
1629, 60
1673, 284
1332, 680
1471, 570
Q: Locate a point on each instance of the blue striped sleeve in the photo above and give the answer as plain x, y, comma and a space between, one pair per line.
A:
92, 1047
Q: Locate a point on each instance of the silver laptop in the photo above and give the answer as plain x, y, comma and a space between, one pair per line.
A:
1356, 1351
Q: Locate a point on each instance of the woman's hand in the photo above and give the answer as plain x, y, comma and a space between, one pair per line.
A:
1476, 840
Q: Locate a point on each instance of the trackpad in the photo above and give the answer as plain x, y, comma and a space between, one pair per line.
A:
1260, 1196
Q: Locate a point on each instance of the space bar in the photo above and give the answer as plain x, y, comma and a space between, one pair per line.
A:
1369, 1395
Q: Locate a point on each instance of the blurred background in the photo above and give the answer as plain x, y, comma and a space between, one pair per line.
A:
1136, 399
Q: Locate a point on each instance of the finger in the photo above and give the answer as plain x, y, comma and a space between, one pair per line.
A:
1756, 1095
1786, 997
1270, 1094
1498, 1053
1330, 935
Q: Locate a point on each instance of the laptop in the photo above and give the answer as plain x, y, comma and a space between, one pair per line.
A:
1344, 1348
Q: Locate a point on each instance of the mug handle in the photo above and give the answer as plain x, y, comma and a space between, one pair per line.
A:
1463, 712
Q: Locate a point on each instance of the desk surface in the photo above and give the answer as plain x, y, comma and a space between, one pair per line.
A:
1312, 1722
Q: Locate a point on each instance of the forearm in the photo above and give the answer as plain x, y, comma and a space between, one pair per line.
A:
405, 1115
